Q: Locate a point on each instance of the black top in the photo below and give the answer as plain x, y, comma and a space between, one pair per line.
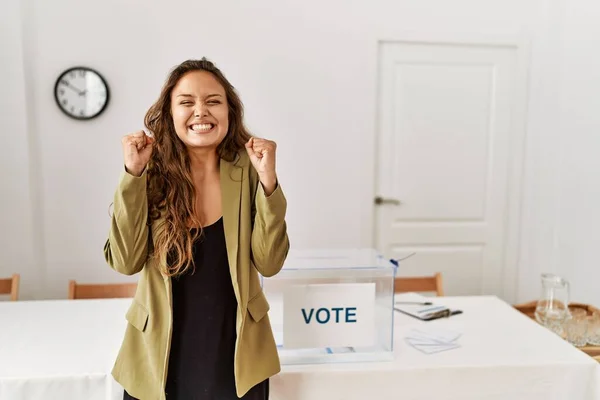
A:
204, 318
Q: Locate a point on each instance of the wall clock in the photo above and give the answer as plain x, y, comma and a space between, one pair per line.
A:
81, 93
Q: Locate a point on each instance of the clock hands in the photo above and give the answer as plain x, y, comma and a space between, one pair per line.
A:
79, 92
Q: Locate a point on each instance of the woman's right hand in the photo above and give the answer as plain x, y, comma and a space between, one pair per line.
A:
137, 149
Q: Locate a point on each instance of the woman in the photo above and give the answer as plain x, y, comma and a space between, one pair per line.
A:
199, 213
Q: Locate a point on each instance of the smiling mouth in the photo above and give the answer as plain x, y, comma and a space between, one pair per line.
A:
201, 128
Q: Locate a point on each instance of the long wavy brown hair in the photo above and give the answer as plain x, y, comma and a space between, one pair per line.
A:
171, 192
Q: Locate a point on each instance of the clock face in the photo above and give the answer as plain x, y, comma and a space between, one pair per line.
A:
81, 93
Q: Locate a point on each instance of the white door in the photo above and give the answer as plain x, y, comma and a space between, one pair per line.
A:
445, 139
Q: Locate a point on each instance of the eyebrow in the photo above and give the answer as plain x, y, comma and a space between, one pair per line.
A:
189, 95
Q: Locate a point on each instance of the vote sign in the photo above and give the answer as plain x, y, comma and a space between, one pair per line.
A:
329, 315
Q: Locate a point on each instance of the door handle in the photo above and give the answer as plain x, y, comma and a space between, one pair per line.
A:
382, 200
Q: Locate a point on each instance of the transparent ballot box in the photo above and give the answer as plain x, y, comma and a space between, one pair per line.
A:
333, 306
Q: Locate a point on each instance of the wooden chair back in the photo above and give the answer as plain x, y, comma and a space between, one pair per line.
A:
420, 284
10, 286
101, 291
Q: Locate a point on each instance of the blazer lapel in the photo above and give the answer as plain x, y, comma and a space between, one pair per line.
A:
231, 187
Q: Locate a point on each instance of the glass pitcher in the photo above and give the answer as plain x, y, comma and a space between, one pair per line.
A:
552, 308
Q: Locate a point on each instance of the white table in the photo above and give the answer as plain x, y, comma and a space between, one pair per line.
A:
503, 356
61, 349
65, 350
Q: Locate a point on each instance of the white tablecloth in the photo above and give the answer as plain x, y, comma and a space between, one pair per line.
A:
65, 350
60, 350
503, 356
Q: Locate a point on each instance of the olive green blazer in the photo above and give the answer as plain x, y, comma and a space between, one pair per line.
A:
257, 243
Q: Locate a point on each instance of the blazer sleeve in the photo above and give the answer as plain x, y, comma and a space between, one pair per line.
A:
270, 242
126, 249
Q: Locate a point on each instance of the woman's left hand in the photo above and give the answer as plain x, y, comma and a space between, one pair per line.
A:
262, 156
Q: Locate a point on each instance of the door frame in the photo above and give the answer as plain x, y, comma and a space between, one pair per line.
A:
519, 112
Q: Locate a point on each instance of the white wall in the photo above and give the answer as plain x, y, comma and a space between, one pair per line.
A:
561, 224
578, 215
540, 189
20, 239
306, 71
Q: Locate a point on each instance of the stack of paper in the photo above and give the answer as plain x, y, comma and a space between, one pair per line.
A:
421, 307
423, 311
432, 340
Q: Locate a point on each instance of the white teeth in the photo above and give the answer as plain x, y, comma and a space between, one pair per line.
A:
202, 127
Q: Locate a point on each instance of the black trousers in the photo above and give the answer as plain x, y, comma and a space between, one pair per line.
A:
252, 394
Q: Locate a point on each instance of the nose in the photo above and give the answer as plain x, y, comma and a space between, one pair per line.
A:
201, 110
